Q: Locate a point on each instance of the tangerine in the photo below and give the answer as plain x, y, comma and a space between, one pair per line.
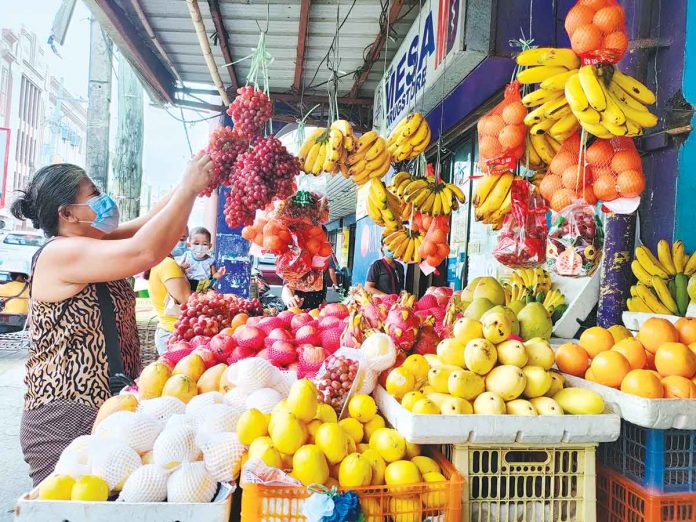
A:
686, 326
599, 171
593, 4
675, 359
630, 183
609, 19
633, 351
561, 199
561, 161
617, 41
656, 331
605, 188
609, 368
627, 159
677, 387
642, 383
573, 359
491, 125
589, 376
514, 113
599, 153
549, 185
512, 136
577, 16
587, 193
596, 340
586, 38
489, 147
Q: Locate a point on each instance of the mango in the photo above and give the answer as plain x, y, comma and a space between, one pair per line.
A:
579, 401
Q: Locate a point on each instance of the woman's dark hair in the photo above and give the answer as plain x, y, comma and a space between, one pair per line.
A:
201, 230
50, 188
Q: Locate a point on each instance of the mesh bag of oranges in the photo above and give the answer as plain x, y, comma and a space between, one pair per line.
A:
616, 167
435, 248
567, 180
574, 244
502, 133
522, 240
597, 31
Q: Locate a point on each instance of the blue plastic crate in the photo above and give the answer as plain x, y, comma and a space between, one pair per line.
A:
661, 461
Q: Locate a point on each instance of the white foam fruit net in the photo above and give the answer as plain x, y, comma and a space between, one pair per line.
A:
198, 404
191, 482
162, 408
263, 399
137, 430
148, 483
283, 382
179, 420
236, 398
75, 458
216, 418
114, 462
252, 374
175, 446
222, 455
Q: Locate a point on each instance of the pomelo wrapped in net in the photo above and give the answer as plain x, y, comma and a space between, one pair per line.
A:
222, 454
264, 399
162, 408
252, 374
216, 418
174, 446
148, 483
114, 462
137, 430
191, 482
75, 458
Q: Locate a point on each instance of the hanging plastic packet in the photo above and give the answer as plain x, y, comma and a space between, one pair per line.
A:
522, 240
597, 31
574, 246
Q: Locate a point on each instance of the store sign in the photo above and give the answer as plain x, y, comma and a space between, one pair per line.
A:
434, 37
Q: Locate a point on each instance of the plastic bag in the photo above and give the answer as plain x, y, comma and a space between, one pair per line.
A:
435, 246
522, 240
597, 31
324, 380
502, 133
256, 471
574, 245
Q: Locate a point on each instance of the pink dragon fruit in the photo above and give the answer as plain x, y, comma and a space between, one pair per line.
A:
428, 338
354, 333
402, 323
426, 302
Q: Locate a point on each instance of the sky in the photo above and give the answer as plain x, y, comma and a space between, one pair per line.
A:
165, 151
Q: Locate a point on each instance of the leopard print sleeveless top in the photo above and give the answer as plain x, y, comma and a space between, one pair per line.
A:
67, 350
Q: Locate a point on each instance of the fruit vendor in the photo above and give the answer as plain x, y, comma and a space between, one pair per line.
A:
83, 340
385, 275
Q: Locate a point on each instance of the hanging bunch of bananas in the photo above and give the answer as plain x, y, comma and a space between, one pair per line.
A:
409, 138
663, 281
313, 152
493, 198
552, 119
534, 284
609, 103
368, 160
383, 207
404, 243
541, 149
326, 150
428, 195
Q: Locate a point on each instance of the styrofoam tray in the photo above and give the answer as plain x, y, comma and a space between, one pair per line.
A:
30, 509
499, 429
648, 413
634, 320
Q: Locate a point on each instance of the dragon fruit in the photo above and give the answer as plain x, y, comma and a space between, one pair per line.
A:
428, 338
374, 308
402, 323
426, 302
354, 333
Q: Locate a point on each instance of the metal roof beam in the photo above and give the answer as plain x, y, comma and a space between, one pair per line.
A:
308, 98
223, 40
376, 49
301, 42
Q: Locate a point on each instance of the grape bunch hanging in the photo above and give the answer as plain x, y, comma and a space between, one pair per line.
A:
224, 146
250, 111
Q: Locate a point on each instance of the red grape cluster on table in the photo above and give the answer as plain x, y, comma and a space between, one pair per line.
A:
224, 146
250, 111
335, 382
209, 313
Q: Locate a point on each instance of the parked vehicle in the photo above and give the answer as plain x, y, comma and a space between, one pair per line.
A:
19, 246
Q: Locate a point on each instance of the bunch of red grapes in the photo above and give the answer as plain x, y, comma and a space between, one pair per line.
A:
225, 145
263, 173
250, 111
209, 313
334, 384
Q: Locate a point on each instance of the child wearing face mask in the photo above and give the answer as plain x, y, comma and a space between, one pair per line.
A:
197, 261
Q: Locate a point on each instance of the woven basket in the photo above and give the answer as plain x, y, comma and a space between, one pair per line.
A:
146, 334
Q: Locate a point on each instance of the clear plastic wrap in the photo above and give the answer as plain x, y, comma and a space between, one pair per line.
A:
575, 241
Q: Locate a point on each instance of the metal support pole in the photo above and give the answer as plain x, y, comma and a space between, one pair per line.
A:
99, 93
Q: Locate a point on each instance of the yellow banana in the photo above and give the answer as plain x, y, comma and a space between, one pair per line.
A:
308, 144
615, 130
651, 300
542, 147
535, 116
504, 208
366, 140
378, 160
484, 186
413, 121
589, 115
553, 107
311, 158
644, 119
633, 87
539, 97
650, 262
625, 98
633, 129
496, 196
457, 192
592, 88
613, 111
376, 150
539, 74
358, 168
542, 127
421, 134
664, 255
679, 256
564, 125
663, 293
319, 162
641, 273
598, 130
575, 95
548, 56
636, 304
446, 197
557, 82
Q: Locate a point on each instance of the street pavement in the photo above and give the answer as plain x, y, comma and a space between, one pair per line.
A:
14, 473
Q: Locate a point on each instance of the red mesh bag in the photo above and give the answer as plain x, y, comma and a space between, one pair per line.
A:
435, 246
574, 245
566, 179
281, 357
174, 356
309, 361
616, 167
522, 240
502, 133
597, 31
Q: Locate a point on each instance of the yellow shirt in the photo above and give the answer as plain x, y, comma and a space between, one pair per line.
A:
166, 270
18, 305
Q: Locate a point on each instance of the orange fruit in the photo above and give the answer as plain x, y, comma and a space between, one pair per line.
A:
577, 16
675, 359
656, 331
630, 183
589, 376
512, 136
596, 340
633, 351
549, 185
491, 125
686, 326
586, 38
561, 199
609, 368
677, 387
642, 383
573, 178
562, 161
593, 4
609, 19
587, 193
573, 359
692, 347
238, 320
627, 159
599, 153
605, 187
649, 360
489, 147
605, 170
514, 113
617, 40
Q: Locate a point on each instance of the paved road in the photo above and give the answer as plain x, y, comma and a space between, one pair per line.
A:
14, 478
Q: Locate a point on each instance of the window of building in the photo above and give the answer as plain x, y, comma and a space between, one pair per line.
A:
4, 92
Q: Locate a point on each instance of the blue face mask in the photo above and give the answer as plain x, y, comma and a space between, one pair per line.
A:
388, 253
106, 212
179, 249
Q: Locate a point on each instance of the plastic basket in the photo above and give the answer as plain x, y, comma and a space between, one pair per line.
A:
531, 483
662, 461
284, 504
622, 500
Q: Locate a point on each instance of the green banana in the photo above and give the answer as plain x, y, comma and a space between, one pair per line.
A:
681, 283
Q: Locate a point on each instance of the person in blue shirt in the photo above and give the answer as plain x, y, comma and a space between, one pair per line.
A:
197, 262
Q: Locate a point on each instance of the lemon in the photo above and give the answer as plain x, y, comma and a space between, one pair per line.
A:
251, 425
411, 398
437, 496
362, 407
353, 428
426, 464
412, 450
57, 487
371, 426
326, 413
418, 366
355, 471
90, 488
309, 465
399, 382
378, 466
389, 443
402, 472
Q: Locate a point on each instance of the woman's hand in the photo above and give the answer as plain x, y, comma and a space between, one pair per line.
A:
198, 173
295, 302
219, 273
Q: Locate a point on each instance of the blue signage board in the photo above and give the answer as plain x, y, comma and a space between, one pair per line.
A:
232, 252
